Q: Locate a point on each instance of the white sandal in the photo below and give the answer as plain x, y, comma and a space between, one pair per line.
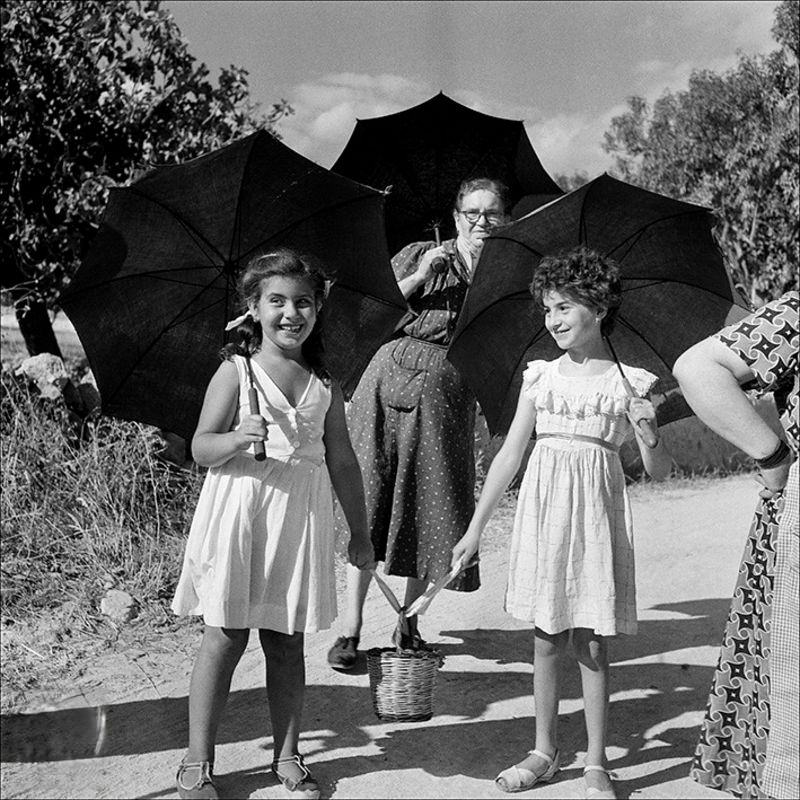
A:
520, 779
599, 794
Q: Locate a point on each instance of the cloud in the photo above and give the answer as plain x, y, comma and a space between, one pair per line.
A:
326, 110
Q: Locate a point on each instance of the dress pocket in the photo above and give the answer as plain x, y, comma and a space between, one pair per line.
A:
403, 385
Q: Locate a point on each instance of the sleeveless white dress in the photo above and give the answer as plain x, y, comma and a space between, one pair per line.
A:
260, 552
571, 563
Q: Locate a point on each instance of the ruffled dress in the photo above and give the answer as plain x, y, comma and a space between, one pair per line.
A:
260, 552
572, 560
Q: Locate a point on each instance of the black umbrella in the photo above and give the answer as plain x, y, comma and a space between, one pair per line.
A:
425, 152
676, 290
152, 297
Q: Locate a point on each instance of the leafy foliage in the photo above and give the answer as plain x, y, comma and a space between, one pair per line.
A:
92, 92
731, 142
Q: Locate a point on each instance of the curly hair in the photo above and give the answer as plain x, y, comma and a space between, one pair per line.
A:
281, 263
584, 276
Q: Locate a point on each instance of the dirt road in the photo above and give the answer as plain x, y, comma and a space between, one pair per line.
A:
689, 539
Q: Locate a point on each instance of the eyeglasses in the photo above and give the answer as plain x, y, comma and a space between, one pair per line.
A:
492, 217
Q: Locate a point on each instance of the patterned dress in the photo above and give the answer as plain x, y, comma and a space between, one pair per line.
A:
749, 738
411, 422
260, 550
571, 563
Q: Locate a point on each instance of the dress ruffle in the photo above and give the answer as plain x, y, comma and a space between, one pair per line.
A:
607, 396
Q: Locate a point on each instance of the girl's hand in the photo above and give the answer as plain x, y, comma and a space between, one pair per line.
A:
252, 428
638, 409
360, 553
465, 550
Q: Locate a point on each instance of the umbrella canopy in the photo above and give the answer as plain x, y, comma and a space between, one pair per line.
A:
151, 299
425, 152
676, 290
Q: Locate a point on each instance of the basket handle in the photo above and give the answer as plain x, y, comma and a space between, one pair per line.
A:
420, 605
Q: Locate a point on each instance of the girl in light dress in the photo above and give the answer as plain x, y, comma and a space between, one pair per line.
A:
571, 569
260, 552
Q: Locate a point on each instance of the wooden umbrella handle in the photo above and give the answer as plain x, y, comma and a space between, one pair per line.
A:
645, 428
252, 395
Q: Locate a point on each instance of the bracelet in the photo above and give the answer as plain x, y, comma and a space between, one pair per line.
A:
781, 451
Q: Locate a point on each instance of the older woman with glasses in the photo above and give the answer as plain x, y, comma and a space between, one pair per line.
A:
412, 420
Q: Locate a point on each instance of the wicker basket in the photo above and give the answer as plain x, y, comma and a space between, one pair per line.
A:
402, 683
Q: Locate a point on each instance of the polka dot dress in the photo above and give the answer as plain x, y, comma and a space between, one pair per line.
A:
412, 421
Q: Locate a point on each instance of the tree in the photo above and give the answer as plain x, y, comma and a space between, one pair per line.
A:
93, 91
569, 183
730, 142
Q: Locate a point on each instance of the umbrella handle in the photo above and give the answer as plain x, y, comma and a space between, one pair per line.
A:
645, 428
252, 395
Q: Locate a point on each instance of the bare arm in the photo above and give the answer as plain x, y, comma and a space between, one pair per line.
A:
502, 470
710, 374
213, 442
424, 272
347, 481
657, 460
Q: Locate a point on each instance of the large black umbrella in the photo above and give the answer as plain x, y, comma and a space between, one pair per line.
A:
425, 152
676, 289
152, 297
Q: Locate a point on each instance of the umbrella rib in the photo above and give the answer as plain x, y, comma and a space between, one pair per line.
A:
636, 332
657, 281
197, 237
297, 222
168, 326
159, 274
636, 235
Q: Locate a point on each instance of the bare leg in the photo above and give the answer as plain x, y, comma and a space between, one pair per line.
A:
548, 650
219, 654
357, 587
592, 654
286, 682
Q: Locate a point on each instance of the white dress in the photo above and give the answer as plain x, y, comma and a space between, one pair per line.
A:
571, 562
260, 552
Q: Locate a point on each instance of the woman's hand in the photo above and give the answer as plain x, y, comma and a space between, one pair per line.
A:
774, 480
426, 268
252, 428
465, 549
360, 553
639, 408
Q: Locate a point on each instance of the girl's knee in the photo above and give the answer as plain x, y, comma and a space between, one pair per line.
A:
549, 644
590, 649
226, 641
281, 645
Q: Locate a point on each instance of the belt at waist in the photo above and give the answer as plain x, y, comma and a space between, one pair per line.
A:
580, 438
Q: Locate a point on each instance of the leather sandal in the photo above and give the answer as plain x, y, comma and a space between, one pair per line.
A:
344, 653
598, 794
520, 779
306, 788
203, 787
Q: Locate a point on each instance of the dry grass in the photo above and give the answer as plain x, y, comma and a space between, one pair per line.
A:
83, 511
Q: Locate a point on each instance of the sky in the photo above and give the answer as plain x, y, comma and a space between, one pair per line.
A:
565, 68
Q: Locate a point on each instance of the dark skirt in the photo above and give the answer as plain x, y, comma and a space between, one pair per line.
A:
412, 423
733, 739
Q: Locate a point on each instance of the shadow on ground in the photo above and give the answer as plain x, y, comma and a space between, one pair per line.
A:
665, 691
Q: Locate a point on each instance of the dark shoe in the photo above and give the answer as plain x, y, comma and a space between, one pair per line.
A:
344, 652
304, 788
195, 781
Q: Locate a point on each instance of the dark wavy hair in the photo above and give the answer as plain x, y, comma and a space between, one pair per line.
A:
492, 185
584, 276
278, 263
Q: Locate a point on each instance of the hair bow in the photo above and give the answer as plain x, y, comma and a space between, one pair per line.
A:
235, 323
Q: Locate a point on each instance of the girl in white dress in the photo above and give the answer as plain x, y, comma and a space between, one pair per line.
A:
571, 570
260, 552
